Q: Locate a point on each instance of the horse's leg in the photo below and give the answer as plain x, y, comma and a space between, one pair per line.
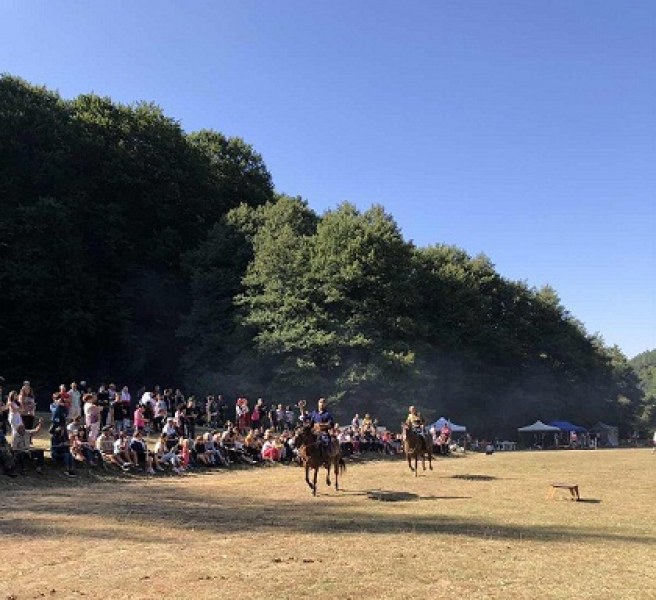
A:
328, 464
336, 467
307, 475
416, 472
316, 473
430, 460
410, 461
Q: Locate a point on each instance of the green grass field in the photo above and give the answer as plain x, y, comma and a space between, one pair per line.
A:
476, 527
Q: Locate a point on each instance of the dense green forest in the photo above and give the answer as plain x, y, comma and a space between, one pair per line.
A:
136, 252
644, 365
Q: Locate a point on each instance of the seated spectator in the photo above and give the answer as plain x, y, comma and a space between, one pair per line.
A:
185, 454
166, 455
270, 450
74, 426
345, 444
60, 449
122, 450
199, 452
171, 432
140, 448
80, 450
6, 457
105, 446
24, 453
219, 453
253, 445
212, 450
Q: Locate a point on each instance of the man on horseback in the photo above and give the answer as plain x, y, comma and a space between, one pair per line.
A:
323, 424
415, 421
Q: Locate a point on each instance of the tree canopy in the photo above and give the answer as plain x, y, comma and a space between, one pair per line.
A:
133, 250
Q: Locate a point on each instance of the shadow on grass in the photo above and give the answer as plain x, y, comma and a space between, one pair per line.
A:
106, 514
475, 477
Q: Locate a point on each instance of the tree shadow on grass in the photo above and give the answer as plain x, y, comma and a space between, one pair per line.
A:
160, 506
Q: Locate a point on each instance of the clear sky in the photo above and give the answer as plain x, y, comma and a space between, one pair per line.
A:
521, 129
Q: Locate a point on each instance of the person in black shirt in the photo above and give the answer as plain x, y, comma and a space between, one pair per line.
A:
190, 414
103, 402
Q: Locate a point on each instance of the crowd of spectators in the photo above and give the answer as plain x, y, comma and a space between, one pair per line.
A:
158, 430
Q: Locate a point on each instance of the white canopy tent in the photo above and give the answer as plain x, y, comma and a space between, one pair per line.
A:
538, 427
441, 422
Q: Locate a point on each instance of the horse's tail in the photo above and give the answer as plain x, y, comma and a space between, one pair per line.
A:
342, 465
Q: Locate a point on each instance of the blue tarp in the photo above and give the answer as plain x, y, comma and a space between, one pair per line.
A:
567, 426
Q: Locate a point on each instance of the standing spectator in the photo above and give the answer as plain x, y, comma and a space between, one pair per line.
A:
15, 418
223, 410
241, 412
256, 415
161, 412
170, 404
367, 424
126, 398
289, 418
27, 405
139, 419
118, 413
304, 417
355, 422
76, 401
281, 416
92, 415
102, 401
4, 414
211, 411
190, 414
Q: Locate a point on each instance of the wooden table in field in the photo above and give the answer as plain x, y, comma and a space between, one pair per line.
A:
572, 487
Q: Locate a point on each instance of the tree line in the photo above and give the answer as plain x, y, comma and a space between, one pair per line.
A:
133, 250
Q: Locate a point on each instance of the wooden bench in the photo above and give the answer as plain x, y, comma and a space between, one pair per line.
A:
572, 487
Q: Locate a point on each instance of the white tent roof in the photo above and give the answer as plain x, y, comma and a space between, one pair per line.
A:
537, 427
452, 426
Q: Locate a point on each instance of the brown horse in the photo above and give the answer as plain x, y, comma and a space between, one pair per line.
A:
314, 456
416, 445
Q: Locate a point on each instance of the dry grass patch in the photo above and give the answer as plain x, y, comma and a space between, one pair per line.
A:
476, 525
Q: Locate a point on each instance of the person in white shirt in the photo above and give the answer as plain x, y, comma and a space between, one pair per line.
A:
76, 405
165, 455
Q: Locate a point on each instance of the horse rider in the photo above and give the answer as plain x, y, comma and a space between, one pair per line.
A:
414, 420
323, 423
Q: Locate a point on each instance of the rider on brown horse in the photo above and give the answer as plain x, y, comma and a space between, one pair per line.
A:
323, 424
414, 420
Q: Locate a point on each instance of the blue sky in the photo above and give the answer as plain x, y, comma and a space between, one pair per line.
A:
523, 130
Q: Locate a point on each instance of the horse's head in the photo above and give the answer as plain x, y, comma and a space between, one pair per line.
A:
305, 436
